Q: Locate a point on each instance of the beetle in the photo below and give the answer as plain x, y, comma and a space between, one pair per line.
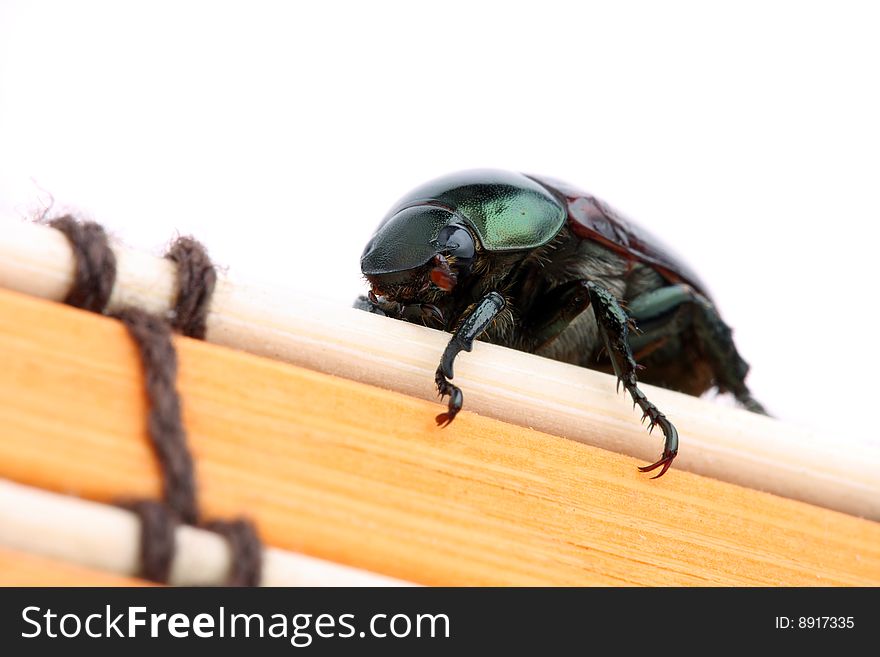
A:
516, 260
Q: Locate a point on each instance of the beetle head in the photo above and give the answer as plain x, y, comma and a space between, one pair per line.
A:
418, 254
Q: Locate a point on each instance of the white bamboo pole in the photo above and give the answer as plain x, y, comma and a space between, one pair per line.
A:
108, 538
577, 403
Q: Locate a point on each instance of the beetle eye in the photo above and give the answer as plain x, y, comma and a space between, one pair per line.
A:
456, 241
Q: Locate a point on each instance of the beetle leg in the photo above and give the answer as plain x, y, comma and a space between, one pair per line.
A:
424, 313
556, 311
614, 325
670, 310
475, 322
729, 367
363, 303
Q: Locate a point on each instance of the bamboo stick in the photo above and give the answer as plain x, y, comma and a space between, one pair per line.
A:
361, 476
576, 403
25, 569
106, 538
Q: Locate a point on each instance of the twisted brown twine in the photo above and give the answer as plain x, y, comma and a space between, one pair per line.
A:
196, 278
95, 264
94, 277
246, 567
157, 538
152, 336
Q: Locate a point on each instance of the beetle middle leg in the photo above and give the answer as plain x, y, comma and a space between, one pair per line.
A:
475, 322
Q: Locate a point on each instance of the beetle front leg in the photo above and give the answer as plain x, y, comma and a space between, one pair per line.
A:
614, 326
474, 324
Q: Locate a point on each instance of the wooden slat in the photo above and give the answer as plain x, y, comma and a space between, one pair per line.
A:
23, 569
362, 476
108, 538
573, 402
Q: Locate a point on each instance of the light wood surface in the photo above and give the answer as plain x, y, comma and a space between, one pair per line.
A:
107, 538
359, 475
721, 442
26, 569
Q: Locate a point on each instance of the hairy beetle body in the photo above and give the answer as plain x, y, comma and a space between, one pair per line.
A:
516, 260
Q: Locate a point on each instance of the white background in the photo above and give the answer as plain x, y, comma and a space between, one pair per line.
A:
279, 133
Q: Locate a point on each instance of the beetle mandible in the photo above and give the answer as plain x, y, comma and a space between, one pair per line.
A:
516, 259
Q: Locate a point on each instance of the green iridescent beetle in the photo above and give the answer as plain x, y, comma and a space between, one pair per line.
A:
516, 259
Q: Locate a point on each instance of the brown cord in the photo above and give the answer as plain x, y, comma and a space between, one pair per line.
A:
157, 538
196, 278
247, 551
94, 276
95, 269
152, 336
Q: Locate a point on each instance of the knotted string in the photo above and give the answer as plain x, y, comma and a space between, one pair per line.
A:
93, 280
